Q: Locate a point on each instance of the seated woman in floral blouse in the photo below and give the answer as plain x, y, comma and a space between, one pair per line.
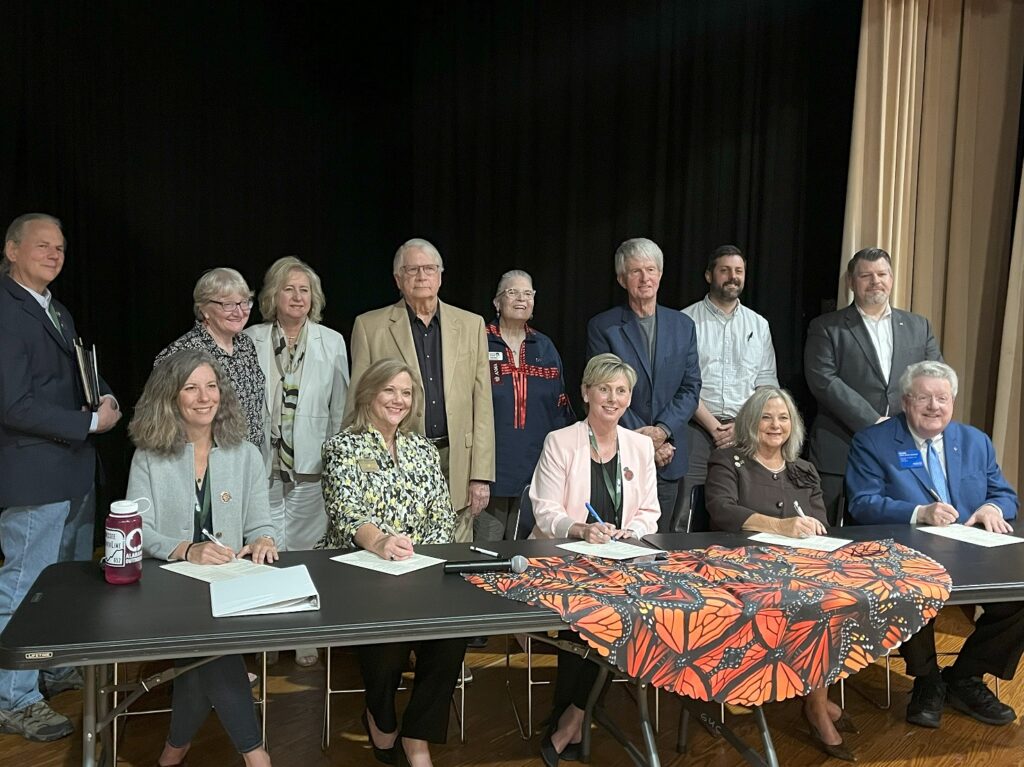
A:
385, 493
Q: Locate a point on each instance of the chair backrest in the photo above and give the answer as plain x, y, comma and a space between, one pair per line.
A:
699, 521
525, 520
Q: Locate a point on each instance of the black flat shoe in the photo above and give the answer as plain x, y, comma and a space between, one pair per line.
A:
548, 753
838, 750
383, 755
571, 752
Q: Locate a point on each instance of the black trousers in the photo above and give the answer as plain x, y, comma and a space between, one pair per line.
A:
994, 647
438, 663
223, 685
668, 493
575, 679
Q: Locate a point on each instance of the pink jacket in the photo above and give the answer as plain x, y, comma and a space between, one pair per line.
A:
561, 482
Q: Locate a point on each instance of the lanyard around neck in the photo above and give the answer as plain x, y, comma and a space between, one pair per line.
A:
614, 487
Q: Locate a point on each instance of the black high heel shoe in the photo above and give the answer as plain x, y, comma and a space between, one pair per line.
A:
837, 750
383, 755
845, 724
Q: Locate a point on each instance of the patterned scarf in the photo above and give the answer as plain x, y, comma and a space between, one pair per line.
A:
289, 368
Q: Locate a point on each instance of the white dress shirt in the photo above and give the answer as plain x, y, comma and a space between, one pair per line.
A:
736, 355
880, 330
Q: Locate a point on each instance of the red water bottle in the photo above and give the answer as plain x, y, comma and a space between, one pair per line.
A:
123, 561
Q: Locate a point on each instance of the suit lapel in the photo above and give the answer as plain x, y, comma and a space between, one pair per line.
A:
631, 330
856, 325
314, 354
953, 453
401, 334
451, 341
30, 305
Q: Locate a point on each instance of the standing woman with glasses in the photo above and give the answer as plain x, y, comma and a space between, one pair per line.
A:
221, 302
528, 392
306, 366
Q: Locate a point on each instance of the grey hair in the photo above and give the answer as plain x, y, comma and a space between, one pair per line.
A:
17, 230
639, 248
157, 424
273, 283
217, 282
370, 384
508, 276
416, 243
928, 369
749, 419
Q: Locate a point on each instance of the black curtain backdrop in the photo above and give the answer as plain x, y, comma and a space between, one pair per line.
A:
175, 138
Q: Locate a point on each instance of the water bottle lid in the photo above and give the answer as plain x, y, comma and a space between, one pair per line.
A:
127, 508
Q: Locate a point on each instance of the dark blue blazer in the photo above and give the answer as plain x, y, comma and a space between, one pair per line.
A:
880, 491
667, 394
46, 454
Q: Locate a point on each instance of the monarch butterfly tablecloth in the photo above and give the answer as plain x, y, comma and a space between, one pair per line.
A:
742, 625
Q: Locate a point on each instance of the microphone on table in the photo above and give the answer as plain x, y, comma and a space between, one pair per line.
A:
516, 564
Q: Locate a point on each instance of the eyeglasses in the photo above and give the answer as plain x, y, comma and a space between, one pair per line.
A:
513, 293
923, 399
427, 269
230, 306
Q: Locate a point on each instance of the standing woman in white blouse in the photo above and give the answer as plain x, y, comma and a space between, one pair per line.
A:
306, 367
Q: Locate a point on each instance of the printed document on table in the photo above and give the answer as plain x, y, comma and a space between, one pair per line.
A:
370, 561
610, 550
977, 536
815, 542
212, 573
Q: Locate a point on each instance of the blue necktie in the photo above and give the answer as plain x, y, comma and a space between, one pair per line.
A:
937, 474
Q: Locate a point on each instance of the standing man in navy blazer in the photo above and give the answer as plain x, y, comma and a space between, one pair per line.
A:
47, 459
923, 468
660, 344
853, 359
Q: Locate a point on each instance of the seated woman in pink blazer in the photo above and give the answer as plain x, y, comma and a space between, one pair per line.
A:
611, 468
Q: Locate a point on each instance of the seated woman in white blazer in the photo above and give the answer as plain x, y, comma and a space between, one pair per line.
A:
593, 462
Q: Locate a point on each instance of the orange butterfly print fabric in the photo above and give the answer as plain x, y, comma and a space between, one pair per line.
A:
747, 625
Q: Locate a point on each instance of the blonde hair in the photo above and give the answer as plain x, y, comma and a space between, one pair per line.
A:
603, 368
371, 383
275, 278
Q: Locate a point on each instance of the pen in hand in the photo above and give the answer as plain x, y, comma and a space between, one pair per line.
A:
593, 512
212, 537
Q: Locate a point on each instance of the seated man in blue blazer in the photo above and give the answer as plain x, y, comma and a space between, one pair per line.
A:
923, 468
660, 344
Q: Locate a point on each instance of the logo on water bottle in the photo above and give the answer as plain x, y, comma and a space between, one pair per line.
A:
133, 546
115, 548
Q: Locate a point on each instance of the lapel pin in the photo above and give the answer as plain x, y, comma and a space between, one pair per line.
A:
628, 474
225, 496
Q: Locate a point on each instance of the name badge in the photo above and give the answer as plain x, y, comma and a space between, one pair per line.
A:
496, 356
910, 459
368, 464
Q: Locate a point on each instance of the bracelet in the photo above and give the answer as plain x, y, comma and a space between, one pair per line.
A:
187, 550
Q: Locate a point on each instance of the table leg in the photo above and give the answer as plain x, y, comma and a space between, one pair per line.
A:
89, 717
106, 734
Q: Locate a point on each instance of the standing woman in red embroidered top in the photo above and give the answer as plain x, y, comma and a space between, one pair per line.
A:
529, 398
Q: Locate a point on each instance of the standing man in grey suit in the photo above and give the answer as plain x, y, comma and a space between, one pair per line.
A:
47, 455
853, 361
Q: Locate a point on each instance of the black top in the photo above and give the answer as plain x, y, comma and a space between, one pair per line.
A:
427, 339
600, 498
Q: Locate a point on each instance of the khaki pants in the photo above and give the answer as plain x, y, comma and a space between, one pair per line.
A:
463, 519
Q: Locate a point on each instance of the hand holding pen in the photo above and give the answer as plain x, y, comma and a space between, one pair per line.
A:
212, 553
393, 546
601, 531
802, 526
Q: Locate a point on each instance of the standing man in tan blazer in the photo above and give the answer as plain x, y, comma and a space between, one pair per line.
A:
448, 348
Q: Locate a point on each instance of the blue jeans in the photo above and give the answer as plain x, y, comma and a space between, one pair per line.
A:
76, 544
31, 538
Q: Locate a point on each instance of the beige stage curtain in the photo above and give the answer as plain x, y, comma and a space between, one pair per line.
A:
932, 173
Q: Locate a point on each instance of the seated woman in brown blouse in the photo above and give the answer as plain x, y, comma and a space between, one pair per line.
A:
761, 485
